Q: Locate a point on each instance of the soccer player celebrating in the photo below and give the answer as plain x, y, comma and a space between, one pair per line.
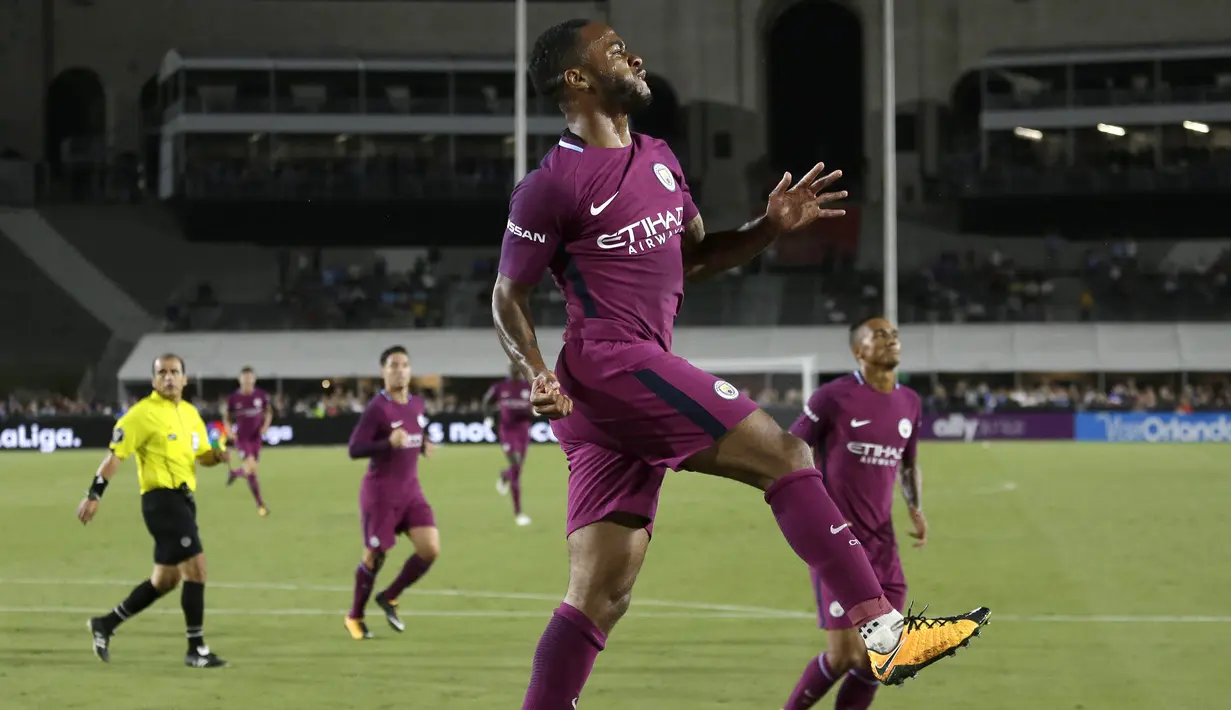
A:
512, 396
390, 433
609, 213
864, 427
247, 417
169, 438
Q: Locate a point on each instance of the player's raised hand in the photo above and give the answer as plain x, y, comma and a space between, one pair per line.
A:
87, 510
546, 397
796, 206
920, 533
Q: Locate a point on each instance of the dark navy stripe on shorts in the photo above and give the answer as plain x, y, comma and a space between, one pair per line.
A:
682, 403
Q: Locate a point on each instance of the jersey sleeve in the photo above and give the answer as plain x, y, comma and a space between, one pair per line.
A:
129, 433
813, 423
539, 211
912, 442
363, 442
690, 207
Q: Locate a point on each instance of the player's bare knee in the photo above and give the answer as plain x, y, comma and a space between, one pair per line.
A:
428, 552
165, 578
373, 559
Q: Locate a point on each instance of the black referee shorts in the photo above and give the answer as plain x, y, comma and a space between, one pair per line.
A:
171, 517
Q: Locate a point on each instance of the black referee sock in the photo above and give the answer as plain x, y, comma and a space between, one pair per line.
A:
142, 596
192, 599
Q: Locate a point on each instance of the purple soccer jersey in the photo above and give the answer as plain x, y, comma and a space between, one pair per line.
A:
516, 415
608, 224
861, 436
247, 414
391, 500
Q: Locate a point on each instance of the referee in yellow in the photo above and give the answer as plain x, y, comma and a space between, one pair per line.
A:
169, 438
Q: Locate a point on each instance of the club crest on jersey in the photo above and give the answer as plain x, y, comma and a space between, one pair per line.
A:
836, 610
663, 173
725, 389
905, 428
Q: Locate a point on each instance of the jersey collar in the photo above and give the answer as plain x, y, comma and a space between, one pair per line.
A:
859, 378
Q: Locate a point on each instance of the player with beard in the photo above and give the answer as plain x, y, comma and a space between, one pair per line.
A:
609, 214
512, 397
864, 429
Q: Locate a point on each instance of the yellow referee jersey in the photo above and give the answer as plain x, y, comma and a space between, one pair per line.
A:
167, 438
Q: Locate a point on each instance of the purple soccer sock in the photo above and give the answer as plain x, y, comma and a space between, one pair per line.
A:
255, 486
563, 660
364, 578
857, 691
515, 488
816, 530
817, 679
414, 568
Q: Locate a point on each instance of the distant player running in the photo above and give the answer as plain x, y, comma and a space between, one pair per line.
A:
864, 428
609, 213
391, 435
247, 417
512, 397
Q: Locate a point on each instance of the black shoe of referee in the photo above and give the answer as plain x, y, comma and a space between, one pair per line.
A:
202, 657
102, 639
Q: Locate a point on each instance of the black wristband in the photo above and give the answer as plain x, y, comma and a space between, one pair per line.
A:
97, 488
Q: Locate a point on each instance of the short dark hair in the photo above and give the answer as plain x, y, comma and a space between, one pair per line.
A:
168, 356
247, 370
554, 52
390, 352
857, 326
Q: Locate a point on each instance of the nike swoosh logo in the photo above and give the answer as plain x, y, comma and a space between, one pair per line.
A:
396, 424
840, 528
883, 669
855, 423
595, 211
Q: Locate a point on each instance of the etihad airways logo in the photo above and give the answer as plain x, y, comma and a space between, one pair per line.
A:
875, 454
646, 233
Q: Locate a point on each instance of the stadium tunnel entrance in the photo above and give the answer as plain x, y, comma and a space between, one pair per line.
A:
814, 82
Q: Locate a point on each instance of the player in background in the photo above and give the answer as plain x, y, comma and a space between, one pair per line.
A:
864, 430
247, 417
512, 397
609, 214
391, 435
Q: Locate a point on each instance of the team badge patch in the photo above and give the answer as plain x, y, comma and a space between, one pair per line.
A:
725, 389
663, 173
905, 428
117, 435
836, 610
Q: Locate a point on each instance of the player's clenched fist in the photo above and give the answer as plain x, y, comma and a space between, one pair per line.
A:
546, 397
87, 510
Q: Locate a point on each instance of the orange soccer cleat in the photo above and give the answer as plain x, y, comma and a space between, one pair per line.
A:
924, 641
357, 628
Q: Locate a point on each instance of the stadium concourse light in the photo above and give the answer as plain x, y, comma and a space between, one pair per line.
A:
890, 197
519, 92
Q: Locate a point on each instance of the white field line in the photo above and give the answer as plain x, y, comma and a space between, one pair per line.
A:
689, 610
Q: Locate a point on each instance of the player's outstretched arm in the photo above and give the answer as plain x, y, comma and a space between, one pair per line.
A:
511, 313
789, 208
910, 477
88, 507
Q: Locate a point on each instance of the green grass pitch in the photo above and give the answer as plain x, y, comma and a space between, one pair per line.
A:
1105, 566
